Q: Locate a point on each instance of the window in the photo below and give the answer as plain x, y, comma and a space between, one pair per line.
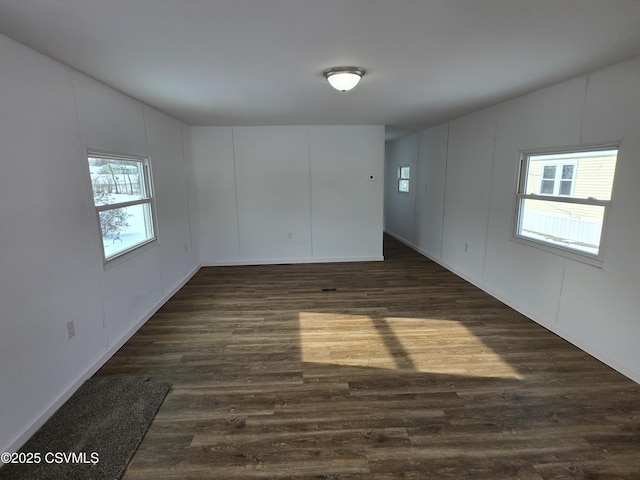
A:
403, 180
563, 196
123, 199
558, 178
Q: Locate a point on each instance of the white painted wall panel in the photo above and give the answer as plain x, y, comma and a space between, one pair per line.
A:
171, 174
107, 120
346, 206
599, 312
192, 198
215, 179
130, 290
274, 198
430, 189
467, 194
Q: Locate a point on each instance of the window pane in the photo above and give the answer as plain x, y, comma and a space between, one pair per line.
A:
404, 172
403, 186
116, 181
124, 228
546, 187
549, 172
577, 227
567, 172
565, 188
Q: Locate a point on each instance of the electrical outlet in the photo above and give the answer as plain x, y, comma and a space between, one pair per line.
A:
290, 235
71, 329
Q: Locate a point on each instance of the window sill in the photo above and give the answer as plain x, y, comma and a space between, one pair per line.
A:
127, 254
561, 252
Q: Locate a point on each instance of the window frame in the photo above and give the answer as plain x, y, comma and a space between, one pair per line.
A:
402, 178
521, 196
148, 198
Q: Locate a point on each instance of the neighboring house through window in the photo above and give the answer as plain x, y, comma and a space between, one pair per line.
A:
562, 199
558, 178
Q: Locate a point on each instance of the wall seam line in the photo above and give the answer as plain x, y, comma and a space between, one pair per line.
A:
444, 190
186, 186
235, 189
584, 107
488, 224
310, 166
154, 198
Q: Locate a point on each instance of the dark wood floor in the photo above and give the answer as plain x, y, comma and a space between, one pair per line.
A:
380, 370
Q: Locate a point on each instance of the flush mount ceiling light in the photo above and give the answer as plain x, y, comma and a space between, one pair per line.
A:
343, 78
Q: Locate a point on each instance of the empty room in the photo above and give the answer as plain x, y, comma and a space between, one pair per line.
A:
355, 239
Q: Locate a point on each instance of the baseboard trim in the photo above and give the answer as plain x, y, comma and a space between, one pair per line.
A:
283, 261
34, 426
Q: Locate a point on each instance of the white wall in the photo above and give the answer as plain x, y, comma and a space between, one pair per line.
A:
430, 189
289, 194
346, 206
467, 193
595, 308
400, 207
51, 268
217, 220
273, 192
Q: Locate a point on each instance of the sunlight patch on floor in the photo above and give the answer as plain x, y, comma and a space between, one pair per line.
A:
417, 344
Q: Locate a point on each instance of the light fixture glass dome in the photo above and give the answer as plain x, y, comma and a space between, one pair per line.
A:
343, 78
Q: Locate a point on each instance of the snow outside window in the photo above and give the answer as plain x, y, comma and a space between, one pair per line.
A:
123, 198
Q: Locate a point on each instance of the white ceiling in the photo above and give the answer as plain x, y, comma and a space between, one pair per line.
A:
260, 62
